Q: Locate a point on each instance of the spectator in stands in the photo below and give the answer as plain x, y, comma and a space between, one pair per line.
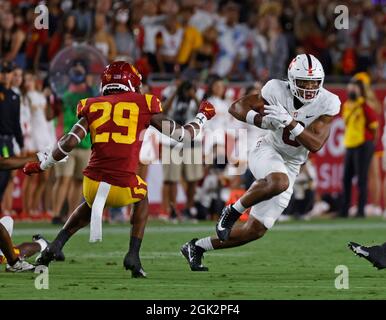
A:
55, 16
36, 44
232, 57
269, 45
181, 104
205, 14
125, 41
103, 40
192, 39
63, 37
9, 120
205, 55
151, 22
361, 127
69, 175
84, 19
169, 40
12, 40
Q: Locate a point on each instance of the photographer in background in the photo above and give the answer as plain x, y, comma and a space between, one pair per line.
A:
181, 104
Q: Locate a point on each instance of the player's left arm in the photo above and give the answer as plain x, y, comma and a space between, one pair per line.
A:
15, 162
64, 146
315, 135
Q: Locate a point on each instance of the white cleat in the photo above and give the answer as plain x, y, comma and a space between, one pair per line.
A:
20, 266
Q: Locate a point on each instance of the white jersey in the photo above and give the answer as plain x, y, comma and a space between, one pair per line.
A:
277, 92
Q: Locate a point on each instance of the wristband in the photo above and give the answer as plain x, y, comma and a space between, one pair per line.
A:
297, 130
200, 119
250, 118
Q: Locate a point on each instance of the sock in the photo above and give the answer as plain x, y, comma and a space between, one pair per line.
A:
205, 243
61, 239
42, 243
238, 206
135, 245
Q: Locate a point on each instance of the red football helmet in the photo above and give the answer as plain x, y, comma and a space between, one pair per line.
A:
120, 76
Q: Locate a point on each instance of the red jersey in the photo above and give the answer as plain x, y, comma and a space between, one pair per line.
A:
117, 125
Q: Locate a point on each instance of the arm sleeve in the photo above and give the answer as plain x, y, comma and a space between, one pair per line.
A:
16, 125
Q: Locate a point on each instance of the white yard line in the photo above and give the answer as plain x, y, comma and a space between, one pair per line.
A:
192, 229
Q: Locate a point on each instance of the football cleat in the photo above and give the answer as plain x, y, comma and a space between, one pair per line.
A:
20, 266
133, 263
49, 254
193, 254
59, 255
375, 254
227, 219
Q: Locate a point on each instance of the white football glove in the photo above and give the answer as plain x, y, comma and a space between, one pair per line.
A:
43, 155
279, 113
270, 123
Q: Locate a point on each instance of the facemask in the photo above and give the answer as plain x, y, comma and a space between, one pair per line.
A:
122, 17
352, 95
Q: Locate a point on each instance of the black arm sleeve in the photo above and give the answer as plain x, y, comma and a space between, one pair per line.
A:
16, 124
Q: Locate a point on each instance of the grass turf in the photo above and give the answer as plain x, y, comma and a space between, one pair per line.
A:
295, 260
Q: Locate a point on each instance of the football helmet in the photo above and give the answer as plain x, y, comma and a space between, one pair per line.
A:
120, 76
306, 77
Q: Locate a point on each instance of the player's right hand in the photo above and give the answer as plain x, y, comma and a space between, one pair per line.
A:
207, 109
270, 123
31, 168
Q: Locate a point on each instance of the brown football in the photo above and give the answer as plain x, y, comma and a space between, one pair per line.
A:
259, 107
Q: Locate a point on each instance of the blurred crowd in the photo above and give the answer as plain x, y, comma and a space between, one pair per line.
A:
184, 42
241, 40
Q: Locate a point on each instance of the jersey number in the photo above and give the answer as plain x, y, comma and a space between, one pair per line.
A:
287, 137
130, 123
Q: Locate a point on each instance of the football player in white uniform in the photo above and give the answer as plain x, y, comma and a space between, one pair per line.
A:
297, 115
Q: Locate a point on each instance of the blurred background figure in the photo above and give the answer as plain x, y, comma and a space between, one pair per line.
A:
360, 135
69, 175
185, 161
10, 128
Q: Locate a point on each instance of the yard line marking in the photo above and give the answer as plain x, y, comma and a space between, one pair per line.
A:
181, 228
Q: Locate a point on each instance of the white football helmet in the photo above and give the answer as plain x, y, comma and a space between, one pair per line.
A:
306, 77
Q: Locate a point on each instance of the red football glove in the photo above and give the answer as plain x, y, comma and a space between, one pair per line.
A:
31, 168
207, 109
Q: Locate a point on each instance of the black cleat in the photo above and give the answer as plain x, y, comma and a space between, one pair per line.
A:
227, 219
193, 255
59, 256
133, 263
375, 254
49, 254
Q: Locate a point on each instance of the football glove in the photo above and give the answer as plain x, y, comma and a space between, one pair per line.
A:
271, 123
31, 168
279, 113
207, 109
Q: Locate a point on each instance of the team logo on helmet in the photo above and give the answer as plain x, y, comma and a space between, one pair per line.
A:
108, 77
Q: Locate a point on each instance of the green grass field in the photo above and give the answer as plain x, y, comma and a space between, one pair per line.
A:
296, 260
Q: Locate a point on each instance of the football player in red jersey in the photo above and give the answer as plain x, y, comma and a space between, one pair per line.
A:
116, 121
